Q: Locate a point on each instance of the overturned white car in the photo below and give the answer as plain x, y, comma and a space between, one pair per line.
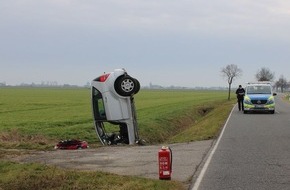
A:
113, 105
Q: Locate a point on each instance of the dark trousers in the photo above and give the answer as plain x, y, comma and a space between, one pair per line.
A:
241, 104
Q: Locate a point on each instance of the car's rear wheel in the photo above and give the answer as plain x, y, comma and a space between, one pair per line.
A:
126, 86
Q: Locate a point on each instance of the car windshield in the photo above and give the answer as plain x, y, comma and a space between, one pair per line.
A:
259, 90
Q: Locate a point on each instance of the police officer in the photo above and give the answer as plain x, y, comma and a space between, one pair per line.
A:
240, 96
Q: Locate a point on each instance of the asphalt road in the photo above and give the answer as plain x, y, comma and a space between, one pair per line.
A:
253, 152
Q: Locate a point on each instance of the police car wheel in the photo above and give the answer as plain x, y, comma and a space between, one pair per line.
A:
126, 85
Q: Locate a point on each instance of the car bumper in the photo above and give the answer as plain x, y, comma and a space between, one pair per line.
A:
249, 107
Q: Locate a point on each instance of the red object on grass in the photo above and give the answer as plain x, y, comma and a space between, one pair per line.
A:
71, 144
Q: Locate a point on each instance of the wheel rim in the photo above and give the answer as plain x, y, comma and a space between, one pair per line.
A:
127, 85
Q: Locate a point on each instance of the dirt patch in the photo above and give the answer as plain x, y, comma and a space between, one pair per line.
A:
15, 139
204, 110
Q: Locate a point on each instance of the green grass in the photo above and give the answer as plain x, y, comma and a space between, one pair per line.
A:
37, 118
163, 114
52, 114
287, 96
206, 127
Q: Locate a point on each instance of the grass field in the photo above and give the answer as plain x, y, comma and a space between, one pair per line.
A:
47, 115
37, 118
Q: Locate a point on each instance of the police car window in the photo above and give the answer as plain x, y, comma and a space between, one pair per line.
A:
251, 90
259, 90
266, 90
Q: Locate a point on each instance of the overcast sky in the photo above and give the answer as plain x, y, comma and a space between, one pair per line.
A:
166, 42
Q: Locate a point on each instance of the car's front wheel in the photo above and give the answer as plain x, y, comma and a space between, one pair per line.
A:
126, 86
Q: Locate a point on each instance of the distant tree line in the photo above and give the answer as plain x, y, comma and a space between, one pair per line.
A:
232, 71
264, 74
2, 83
44, 84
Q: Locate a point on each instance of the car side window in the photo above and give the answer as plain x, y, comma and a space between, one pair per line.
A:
98, 105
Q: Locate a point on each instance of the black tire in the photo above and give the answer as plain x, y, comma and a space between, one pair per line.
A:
272, 112
137, 86
126, 85
245, 112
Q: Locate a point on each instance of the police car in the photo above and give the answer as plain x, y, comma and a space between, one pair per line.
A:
259, 96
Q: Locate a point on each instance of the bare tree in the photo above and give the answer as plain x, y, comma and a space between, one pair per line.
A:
230, 72
282, 83
265, 75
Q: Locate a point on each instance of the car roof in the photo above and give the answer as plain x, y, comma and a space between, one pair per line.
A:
261, 83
